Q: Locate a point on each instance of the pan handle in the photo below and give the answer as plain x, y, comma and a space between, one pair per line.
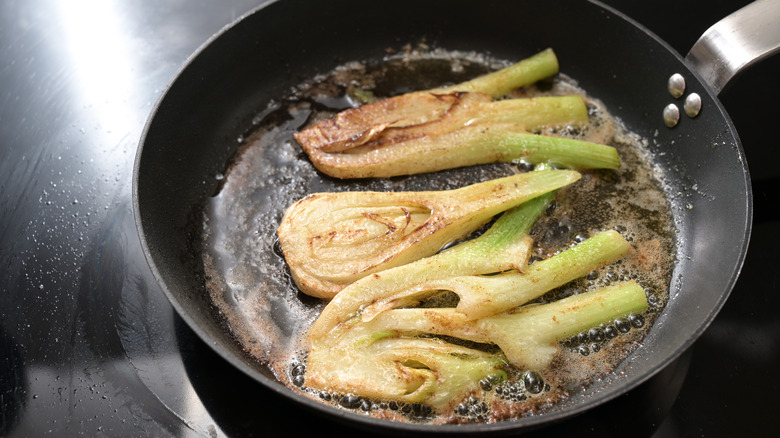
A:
736, 42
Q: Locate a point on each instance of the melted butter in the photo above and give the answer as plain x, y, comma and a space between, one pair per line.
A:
251, 286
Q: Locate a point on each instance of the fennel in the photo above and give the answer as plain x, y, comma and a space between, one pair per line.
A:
455, 126
330, 240
383, 359
480, 296
470, 145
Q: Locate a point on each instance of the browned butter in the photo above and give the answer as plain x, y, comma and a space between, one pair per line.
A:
250, 284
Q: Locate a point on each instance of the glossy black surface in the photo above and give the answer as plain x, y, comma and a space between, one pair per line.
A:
90, 346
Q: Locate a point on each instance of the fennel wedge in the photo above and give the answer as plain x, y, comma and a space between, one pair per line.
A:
330, 240
470, 145
479, 295
357, 126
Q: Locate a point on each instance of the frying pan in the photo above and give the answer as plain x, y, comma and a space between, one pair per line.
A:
191, 136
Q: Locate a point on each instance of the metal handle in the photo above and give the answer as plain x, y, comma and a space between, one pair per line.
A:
737, 42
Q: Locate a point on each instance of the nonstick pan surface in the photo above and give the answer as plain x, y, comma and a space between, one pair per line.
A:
192, 134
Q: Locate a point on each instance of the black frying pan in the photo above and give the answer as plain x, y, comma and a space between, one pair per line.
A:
193, 130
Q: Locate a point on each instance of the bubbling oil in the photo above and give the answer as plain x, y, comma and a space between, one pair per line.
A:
250, 284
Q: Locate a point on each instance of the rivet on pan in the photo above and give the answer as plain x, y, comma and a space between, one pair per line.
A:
671, 115
692, 105
676, 85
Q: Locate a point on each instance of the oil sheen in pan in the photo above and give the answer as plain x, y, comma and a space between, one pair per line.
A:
251, 286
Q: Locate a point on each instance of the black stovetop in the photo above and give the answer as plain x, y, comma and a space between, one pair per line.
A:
90, 346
